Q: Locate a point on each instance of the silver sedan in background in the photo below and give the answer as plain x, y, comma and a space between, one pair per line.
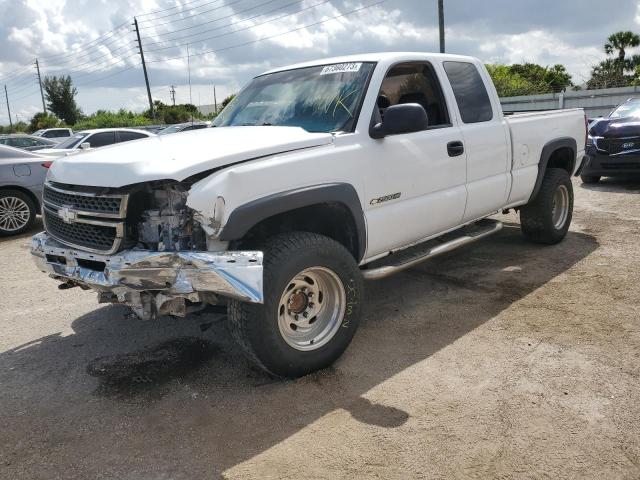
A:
22, 177
26, 142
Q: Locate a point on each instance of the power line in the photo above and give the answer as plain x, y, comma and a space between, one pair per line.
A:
17, 73
32, 94
222, 18
230, 4
130, 67
167, 9
274, 36
244, 28
129, 53
85, 45
226, 25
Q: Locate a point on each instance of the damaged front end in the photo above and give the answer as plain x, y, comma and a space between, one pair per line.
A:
141, 247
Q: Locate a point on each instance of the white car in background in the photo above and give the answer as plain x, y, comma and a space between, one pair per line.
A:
55, 134
96, 138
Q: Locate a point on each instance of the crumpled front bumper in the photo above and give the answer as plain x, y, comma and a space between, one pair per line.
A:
139, 277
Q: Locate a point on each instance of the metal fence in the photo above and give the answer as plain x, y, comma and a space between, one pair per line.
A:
596, 103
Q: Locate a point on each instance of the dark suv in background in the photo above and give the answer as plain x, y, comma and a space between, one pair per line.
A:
613, 145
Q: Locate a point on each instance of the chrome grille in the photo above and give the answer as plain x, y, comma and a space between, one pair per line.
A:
84, 235
112, 206
88, 221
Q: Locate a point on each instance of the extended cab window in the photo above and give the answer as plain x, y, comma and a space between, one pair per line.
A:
470, 92
414, 83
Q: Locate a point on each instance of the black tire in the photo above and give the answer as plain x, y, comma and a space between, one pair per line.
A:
589, 179
537, 217
7, 195
256, 326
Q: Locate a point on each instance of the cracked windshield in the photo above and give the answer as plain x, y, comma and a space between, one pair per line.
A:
318, 99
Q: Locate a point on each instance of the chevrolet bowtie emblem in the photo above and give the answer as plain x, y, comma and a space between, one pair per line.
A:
67, 215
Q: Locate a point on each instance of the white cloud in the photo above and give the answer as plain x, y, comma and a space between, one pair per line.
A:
58, 31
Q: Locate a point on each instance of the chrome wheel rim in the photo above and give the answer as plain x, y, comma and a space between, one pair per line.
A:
311, 308
560, 210
14, 214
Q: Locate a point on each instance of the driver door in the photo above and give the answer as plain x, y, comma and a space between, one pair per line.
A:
416, 184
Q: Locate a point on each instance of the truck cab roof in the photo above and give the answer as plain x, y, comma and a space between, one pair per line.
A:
382, 57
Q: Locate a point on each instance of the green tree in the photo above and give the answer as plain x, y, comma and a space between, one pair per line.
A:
227, 101
607, 74
43, 120
107, 119
60, 94
171, 114
619, 42
507, 83
529, 79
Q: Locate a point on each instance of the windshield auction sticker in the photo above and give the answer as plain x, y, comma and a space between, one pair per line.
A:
341, 68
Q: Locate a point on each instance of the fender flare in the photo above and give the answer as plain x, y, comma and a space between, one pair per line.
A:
244, 217
547, 151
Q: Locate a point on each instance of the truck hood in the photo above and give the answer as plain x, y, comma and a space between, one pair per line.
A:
180, 155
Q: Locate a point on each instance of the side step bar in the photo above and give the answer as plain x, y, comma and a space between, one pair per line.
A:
403, 259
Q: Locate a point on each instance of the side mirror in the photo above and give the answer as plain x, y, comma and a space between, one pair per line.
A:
85, 146
403, 118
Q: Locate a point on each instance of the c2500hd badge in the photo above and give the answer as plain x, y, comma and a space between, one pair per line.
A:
386, 198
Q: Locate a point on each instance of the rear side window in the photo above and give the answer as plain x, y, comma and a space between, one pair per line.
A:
126, 136
101, 139
471, 94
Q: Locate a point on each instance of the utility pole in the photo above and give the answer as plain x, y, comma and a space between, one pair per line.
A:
215, 101
6, 95
144, 67
441, 21
189, 70
44, 107
172, 91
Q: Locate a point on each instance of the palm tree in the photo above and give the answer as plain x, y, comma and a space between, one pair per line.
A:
619, 42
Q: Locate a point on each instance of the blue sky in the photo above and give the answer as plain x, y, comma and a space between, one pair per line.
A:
93, 41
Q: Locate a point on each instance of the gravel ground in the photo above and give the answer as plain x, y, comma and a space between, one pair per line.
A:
500, 360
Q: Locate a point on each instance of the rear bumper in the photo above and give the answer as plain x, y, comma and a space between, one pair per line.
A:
154, 282
603, 165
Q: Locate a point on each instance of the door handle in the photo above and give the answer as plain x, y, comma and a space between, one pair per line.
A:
455, 149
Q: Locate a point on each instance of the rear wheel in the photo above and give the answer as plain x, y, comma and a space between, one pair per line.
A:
17, 212
590, 178
546, 219
312, 295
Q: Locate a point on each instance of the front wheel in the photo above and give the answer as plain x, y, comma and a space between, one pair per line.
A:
17, 212
546, 219
312, 302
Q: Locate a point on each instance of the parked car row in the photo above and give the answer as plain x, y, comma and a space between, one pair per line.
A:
24, 160
94, 139
22, 175
27, 142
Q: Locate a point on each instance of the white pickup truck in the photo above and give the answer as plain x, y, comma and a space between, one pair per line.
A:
315, 177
